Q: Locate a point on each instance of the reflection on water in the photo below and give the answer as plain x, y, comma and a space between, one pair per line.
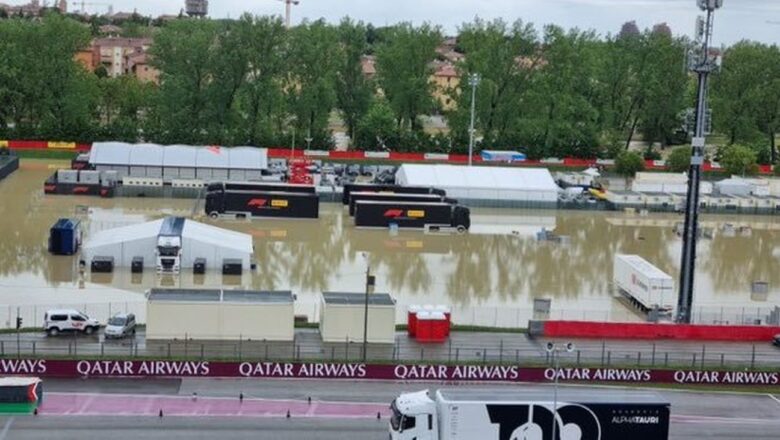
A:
497, 269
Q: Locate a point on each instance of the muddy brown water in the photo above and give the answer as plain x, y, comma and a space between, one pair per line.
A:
490, 276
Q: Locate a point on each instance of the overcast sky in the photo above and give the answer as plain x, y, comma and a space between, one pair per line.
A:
739, 19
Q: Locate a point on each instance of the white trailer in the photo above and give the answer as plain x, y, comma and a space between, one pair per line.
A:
645, 285
529, 415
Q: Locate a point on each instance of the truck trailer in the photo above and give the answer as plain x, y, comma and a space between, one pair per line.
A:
262, 204
355, 197
381, 214
387, 188
261, 186
645, 285
529, 415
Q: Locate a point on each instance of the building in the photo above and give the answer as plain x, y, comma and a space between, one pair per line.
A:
169, 245
215, 314
446, 82
176, 162
113, 52
368, 65
137, 64
342, 317
485, 186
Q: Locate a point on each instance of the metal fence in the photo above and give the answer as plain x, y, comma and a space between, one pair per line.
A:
480, 348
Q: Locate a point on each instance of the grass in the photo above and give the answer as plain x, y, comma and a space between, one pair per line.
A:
46, 154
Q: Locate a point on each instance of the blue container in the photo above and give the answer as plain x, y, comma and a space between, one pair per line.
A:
65, 237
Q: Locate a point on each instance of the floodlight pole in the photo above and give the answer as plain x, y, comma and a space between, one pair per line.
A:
703, 64
474, 80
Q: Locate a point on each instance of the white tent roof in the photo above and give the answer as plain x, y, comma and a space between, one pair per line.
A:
117, 236
120, 153
217, 236
493, 178
193, 230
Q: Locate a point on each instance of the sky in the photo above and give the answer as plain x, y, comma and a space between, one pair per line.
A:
738, 19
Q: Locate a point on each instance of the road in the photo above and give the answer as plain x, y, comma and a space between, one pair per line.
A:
463, 346
695, 415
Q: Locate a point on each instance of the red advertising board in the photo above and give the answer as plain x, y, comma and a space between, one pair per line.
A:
352, 371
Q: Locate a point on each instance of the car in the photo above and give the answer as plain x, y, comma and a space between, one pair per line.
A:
776, 341
120, 326
68, 320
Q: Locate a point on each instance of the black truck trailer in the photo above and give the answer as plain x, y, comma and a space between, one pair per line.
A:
381, 214
387, 188
261, 186
262, 204
355, 197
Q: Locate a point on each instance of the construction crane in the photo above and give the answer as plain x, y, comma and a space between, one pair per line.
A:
288, 10
84, 5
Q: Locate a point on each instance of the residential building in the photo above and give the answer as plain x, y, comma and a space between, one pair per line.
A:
113, 52
446, 82
138, 66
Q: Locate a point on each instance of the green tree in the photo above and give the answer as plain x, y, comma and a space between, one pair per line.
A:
628, 163
353, 90
679, 160
404, 71
377, 128
506, 59
311, 84
739, 160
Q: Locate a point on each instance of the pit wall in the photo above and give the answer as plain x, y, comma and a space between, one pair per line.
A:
380, 155
358, 371
617, 330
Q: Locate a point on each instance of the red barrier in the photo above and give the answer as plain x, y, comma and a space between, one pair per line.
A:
359, 371
618, 330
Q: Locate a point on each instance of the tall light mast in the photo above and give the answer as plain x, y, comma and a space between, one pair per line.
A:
702, 62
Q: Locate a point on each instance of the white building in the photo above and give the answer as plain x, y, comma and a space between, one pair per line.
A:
482, 183
666, 183
179, 161
342, 317
145, 240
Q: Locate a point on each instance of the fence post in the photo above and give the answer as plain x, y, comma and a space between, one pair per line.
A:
266, 351
484, 356
201, 351
449, 350
653, 359
579, 353
603, 348
609, 358
501, 351
666, 359
753, 358
240, 347
346, 348
703, 351
457, 353
517, 355
102, 348
169, 350
721, 360
638, 358
185, 345
332, 353
33, 348
422, 353
693, 364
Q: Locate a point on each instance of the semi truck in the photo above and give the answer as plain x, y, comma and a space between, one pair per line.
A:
355, 197
387, 188
262, 204
646, 286
420, 215
569, 414
261, 186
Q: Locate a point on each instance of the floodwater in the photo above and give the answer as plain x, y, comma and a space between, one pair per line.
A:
490, 276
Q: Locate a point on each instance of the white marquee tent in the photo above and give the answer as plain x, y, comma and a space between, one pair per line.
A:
483, 183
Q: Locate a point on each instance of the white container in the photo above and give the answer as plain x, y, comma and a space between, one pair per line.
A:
644, 282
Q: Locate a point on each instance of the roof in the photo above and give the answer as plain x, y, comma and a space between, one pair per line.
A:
191, 229
344, 298
223, 296
644, 266
18, 381
565, 394
477, 177
120, 153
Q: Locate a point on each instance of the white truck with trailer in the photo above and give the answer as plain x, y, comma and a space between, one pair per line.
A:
577, 414
646, 286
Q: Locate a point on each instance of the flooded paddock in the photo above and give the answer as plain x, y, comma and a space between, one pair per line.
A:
490, 276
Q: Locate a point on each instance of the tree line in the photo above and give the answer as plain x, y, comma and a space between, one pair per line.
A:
550, 93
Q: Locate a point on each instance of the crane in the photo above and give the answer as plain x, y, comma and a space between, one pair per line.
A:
288, 10
84, 5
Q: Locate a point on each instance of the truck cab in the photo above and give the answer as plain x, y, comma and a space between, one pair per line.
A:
414, 417
168, 254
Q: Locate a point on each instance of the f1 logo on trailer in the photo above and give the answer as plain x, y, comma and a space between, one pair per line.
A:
534, 422
257, 202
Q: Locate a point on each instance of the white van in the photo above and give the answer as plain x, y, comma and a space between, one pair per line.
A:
58, 321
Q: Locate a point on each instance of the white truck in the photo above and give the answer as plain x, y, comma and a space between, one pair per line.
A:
529, 415
645, 285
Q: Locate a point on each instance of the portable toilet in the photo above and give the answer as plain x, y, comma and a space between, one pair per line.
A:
411, 320
65, 237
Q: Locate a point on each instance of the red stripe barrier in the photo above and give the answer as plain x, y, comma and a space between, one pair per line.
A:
360, 371
618, 330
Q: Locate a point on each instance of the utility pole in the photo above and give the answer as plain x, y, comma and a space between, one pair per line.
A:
473, 82
369, 284
702, 63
